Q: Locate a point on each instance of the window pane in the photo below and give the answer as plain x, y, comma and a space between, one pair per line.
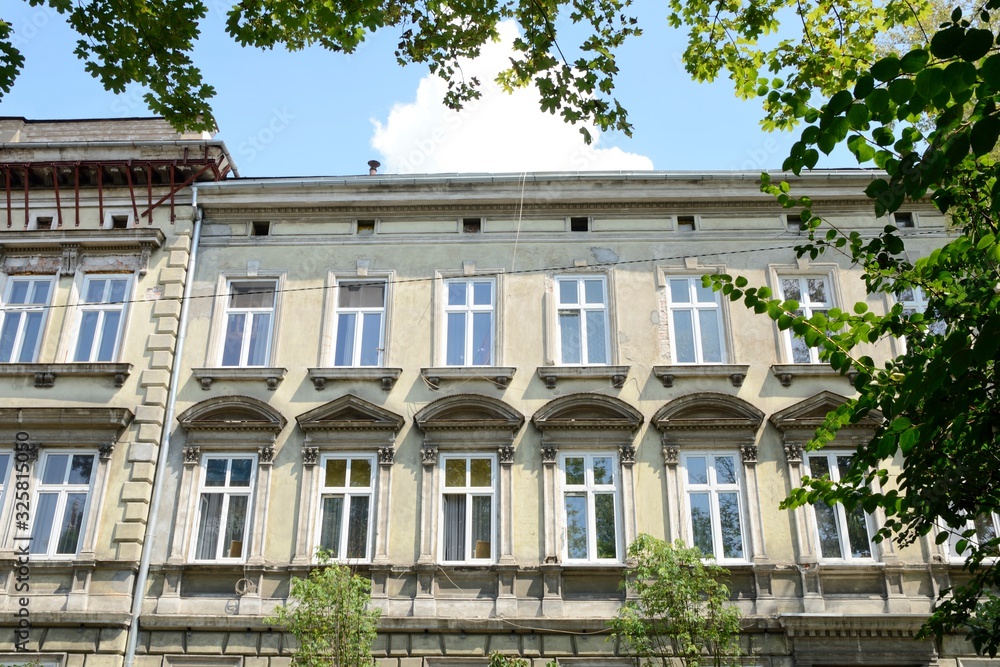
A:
456, 339
240, 473
95, 292
454, 527
482, 472
857, 533
593, 291
85, 342
55, 469
482, 526
456, 294
705, 294
259, 334
42, 529
336, 472
81, 468
575, 470
109, 336
597, 338
40, 292
725, 469
679, 292
985, 528
19, 292
482, 293
210, 520
790, 289
697, 469
569, 330
329, 532
603, 470
817, 290
357, 527
32, 333
604, 525
4, 462
800, 351
576, 525
361, 295
118, 289
234, 340
252, 295
454, 472
8, 335
233, 545
684, 336
482, 333
711, 345
371, 333
829, 535
215, 472
729, 518
343, 354
361, 472
568, 292
818, 466
72, 523
701, 523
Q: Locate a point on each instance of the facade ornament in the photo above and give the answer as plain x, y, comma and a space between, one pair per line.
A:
69, 260
749, 453
266, 454
105, 451
671, 454
310, 455
191, 455
386, 455
30, 449
144, 260
429, 455
506, 454
549, 453
793, 452
626, 455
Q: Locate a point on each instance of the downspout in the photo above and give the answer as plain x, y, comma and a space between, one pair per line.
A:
138, 594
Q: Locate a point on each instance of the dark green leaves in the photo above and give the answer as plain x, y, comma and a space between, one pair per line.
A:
984, 135
946, 43
886, 69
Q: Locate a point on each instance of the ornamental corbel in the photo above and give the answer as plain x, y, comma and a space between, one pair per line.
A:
266, 454
386, 455
749, 453
70, 256
191, 455
506, 454
310, 456
671, 454
793, 452
626, 455
429, 455
105, 451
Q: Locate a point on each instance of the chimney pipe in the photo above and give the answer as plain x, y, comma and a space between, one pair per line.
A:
373, 166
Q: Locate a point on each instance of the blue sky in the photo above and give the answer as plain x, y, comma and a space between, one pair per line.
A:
317, 113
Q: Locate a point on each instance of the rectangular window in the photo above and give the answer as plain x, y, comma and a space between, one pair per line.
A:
913, 301
25, 306
984, 528
467, 508
360, 339
469, 322
695, 323
843, 534
814, 296
590, 500
712, 484
583, 320
6, 457
346, 496
249, 323
224, 505
102, 318
61, 497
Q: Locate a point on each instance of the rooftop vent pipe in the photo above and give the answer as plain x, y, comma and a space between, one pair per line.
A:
373, 166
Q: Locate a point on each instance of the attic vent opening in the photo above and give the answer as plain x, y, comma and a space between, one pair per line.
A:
903, 219
685, 223
793, 222
260, 228
366, 227
43, 222
119, 222
472, 225
579, 224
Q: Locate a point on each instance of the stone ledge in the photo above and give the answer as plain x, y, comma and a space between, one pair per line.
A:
736, 373
271, 376
387, 376
788, 372
46, 374
551, 374
500, 376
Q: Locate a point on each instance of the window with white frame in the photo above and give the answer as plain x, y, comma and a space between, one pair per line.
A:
813, 296
468, 489
6, 457
347, 487
843, 534
360, 339
249, 323
590, 504
469, 322
102, 317
715, 504
224, 504
63, 485
695, 322
982, 529
584, 338
25, 306
913, 301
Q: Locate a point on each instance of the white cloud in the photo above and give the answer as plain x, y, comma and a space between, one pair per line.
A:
498, 133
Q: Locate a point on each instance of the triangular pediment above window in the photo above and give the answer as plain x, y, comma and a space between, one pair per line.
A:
349, 413
231, 421
587, 411
468, 412
798, 422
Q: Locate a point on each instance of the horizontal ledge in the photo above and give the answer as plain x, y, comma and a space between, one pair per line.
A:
736, 373
46, 374
551, 374
498, 375
272, 376
788, 372
107, 239
387, 376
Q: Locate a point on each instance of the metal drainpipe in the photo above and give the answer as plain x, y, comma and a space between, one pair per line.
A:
138, 594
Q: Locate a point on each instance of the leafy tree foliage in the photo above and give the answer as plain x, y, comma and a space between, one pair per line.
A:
939, 398
680, 608
330, 618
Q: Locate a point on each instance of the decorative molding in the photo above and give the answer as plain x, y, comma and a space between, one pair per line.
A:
271, 376
106, 450
735, 373
310, 456
506, 454
499, 376
265, 454
192, 455
749, 454
428, 455
549, 453
788, 372
626, 455
386, 455
386, 376
45, 375
793, 452
552, 374
671, 455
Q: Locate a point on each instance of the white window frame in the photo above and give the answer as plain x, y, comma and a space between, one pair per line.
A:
248, 314
228, 491
6, 473
360, 313
469, 310
713, 488
23, 311
349, 493
955, 534
62, 491
838, 510
102, 308
590, 489
807, 308
582, 309
470, 492
695, 307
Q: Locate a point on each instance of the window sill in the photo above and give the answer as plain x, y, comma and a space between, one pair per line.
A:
500, 376
46, 374
788, 372
736, 373
387, 376
552, 374
271, 376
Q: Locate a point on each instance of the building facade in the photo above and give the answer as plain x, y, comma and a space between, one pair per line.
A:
477, 390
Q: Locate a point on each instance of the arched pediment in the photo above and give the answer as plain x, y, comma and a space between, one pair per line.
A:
708, 410
468, 412
232, 413
798, 422
349, 413
587, 411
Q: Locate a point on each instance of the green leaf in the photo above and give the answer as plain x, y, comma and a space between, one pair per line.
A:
929, 82
985, 134
885, 69
914, 61
901, 90
908, 439
976, 44
857, 116
864, 85
946, 43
